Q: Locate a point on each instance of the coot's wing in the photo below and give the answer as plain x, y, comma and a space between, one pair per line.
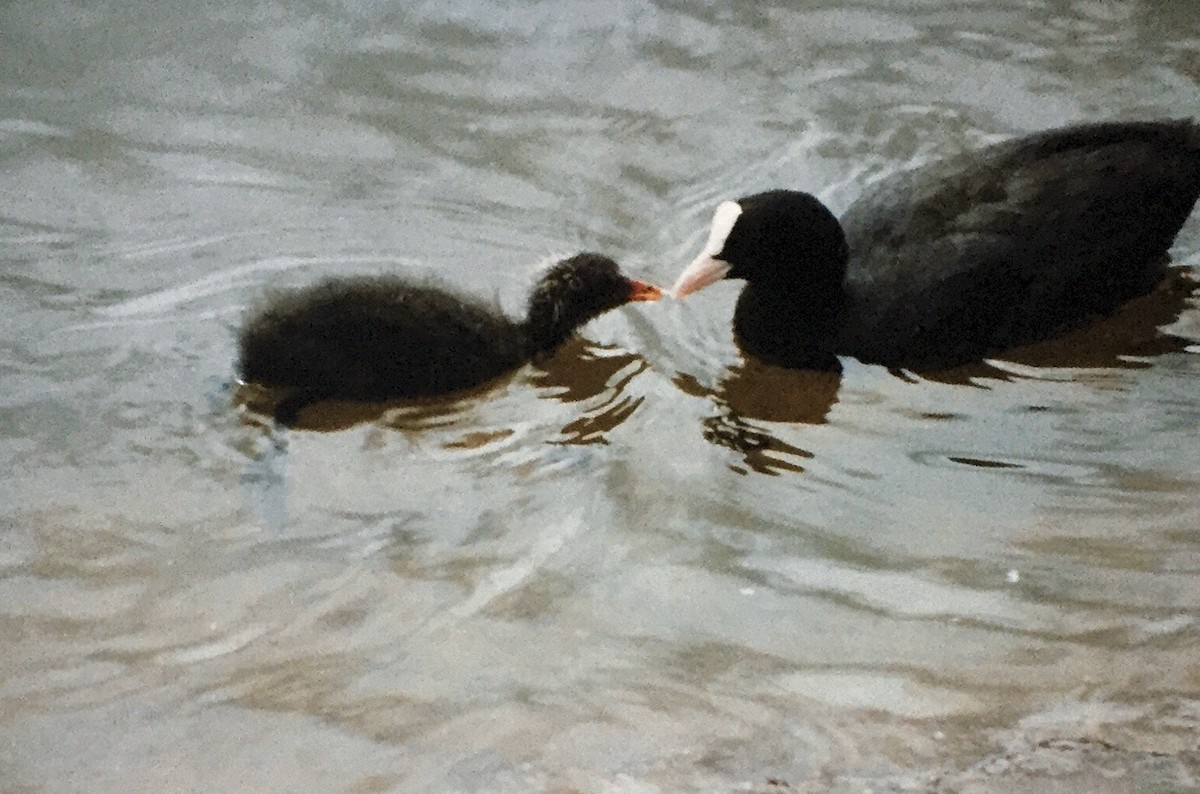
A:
1016, 241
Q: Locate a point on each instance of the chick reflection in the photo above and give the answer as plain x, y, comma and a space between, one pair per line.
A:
331, 416
580, 371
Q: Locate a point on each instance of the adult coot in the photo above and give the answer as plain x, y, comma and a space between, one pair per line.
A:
381, 337
959, 259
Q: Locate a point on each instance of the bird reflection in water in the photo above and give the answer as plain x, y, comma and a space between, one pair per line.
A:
753, 392
581, 372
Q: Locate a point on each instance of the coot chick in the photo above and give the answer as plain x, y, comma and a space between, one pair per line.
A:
960, 259
383, 337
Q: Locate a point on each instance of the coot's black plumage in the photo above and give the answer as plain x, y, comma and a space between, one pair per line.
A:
958, 259
383, 337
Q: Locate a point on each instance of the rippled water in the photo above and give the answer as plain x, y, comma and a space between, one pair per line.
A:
648, 565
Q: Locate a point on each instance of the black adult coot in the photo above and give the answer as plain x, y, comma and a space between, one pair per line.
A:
382, 337
958, 259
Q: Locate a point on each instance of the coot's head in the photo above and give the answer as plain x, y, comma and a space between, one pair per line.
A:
781, 238
576, 290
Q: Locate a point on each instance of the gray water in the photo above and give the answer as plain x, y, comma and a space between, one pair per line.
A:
646, 566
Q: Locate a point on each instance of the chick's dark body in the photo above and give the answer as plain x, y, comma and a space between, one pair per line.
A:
373, 338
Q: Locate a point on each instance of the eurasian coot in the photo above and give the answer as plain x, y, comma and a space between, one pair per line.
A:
958, 259
382, 337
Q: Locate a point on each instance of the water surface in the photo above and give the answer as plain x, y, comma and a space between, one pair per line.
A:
647, 565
